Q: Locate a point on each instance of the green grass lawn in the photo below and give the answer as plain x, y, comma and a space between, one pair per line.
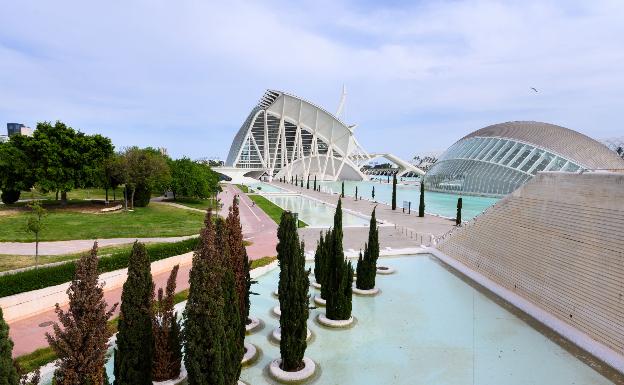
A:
271, 209
243, 188
201, 204
152, 221
79, 193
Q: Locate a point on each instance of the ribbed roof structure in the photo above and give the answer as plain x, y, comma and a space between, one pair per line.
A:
563, 141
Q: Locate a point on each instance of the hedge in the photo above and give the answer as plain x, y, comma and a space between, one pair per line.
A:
43, 277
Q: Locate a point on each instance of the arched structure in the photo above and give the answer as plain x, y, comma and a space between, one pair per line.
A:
498, 159
285, 135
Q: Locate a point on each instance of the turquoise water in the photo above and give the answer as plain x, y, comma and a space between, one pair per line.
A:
435, 203
315, 213
426, 327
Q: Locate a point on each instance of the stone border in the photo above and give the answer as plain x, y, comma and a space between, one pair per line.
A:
388, 271
253, 326
323, 320
276, 334
371, 292
283, 376
319, 301
316, 285
277, 311
250, 354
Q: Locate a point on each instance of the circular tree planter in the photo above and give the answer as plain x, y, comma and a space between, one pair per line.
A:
251, 352
338, 324
253, 326
319, 301
277, 311
316, 285
385, 270
309, 367
370, 292
277, 334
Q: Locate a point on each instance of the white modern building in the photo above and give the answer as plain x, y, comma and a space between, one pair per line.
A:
286, 136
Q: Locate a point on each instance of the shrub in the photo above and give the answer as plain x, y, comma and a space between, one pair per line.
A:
10, 196
142, 195
43, 277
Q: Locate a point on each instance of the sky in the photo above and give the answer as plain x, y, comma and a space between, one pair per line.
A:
419, 74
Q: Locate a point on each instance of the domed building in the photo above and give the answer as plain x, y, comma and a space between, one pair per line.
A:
496, 160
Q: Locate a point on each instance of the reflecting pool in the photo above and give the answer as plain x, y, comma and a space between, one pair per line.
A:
435, 202
315, 213
426, 327
265, 187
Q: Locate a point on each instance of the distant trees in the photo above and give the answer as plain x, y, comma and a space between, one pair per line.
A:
339, 278
394, 192
342, 190
367, 263
143, 170
421, 205
82, 341
373, 193
167, 334
458, 217
15, 169
293, 289
135, 338
192, 179
356, 193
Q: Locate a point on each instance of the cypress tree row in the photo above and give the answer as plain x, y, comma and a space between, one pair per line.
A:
167, 333
367, 264
135, 338
394, 197
339, 277
458, 219
8, 372
82, 343
293, 289
421, 205
204, 329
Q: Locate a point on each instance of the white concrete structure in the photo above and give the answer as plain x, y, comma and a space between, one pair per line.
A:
285, 135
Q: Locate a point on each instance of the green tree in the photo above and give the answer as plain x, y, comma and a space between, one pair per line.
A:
373, 193
82, 342
342, 190
146, 170
167, 336
293, 288
324, 250
394, 192
35, 224
15, 168
320, 260
356, 193
367, 263
339, 274
192, 179
308, 183
8, 372
421, 205
314, 182
239, 260
135, 338
458, 218
64, 158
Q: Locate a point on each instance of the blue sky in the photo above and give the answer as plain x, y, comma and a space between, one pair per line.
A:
420, 74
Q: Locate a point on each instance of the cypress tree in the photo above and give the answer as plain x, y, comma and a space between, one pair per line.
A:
339, 274
324, 252
314, 182
342, 190
356, 193
82, 343
166, 328
367, 264
421, 206
394, 197
8, 372
302, 182
239, 261
291, 179
458, 218
308, 183
135, 338
296, 180
373, 193
204, 331
293, 288
319, 260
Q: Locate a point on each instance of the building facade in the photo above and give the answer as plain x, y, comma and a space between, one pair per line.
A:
496, 160
18, 128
